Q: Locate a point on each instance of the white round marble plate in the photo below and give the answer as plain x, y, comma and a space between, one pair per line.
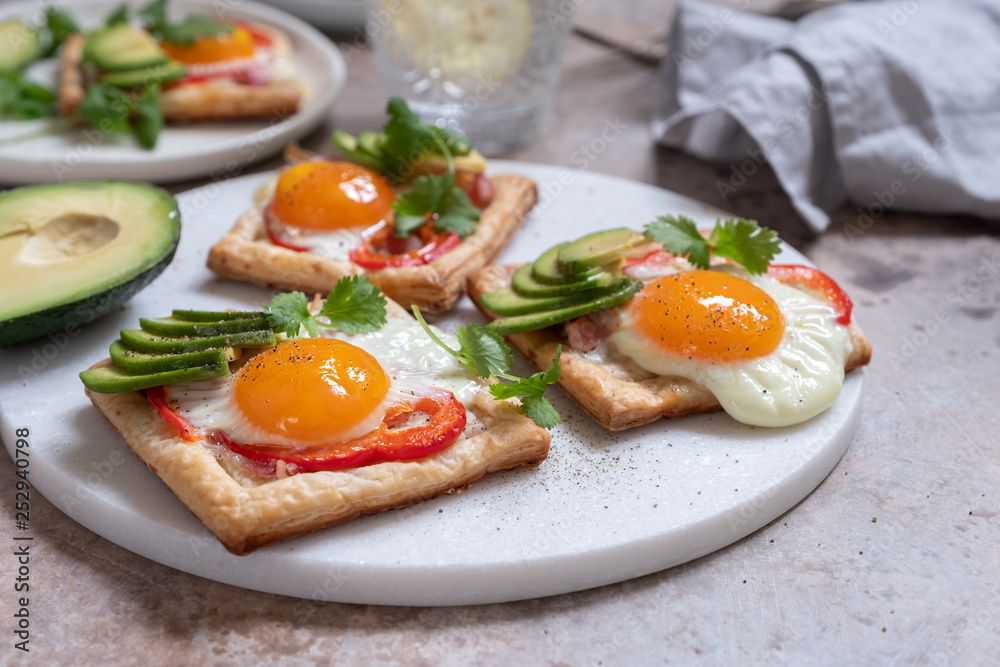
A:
219, 149
603, 508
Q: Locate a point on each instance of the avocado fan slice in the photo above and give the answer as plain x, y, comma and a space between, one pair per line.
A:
167, 326
508, 301
113, 380
143, 341
539, 320
141, 363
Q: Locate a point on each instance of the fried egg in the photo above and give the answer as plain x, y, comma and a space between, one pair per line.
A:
239, 54
326, 207
310, 392
771, 354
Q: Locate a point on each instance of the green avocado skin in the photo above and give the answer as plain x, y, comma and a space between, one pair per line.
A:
82, 312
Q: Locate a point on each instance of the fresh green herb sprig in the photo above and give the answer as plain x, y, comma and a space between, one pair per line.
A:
403, 140
183, 33
743, 241
23, 99
486, 353
60, 25
354, 305
438, 195
115, 110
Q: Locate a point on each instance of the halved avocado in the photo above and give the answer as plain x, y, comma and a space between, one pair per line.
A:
19, 45
72, 252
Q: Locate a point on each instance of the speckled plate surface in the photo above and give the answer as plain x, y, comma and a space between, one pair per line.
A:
603, 508
183, 152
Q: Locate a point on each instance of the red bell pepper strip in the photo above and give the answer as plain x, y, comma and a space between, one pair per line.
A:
270, 226
157, 397
816, 279
447, 421
368, 258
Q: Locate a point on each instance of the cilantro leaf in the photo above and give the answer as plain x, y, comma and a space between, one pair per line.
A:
61, 25
405, 224
117, 17
541, 411
439, 196
406, 137
105, 107
483, 350
354, 305
22, 99
456, 142
428, 195
531, 391
679, 235
289, 311
745, 242
193, 28
458, 213
154, 17
148, 121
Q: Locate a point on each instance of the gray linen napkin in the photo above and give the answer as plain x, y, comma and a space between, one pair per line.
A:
893, 105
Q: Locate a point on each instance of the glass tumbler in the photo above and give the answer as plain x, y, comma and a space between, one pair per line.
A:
488, 68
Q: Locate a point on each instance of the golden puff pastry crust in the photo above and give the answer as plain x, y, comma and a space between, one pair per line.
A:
246, 511
618, 394
245, 253
220, 99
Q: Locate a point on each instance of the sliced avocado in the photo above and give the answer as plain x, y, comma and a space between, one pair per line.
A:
72, 252
122, 47
525, 284
521, 323
215, 315
598, 249
438, 164
509, 302
370, 142
112, 380
548, 270
139, 363
349, 146
19, 45
143, 341
168, 326
170, 71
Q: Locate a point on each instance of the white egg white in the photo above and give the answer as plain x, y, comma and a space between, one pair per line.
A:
335, 244
416, 367
795, 382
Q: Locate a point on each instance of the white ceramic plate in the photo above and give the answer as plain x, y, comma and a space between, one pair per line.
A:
604, 507
219, 149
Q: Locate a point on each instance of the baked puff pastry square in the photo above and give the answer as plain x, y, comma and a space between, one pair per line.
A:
612, 388
246, 509
246, 253
264, 86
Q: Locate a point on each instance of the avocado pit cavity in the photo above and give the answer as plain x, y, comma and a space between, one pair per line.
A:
70, 236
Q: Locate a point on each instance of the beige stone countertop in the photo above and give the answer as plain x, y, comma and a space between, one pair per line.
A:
893, 559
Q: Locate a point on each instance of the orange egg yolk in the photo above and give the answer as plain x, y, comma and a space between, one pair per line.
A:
310, 390
708, 315
331, 195
205, 50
